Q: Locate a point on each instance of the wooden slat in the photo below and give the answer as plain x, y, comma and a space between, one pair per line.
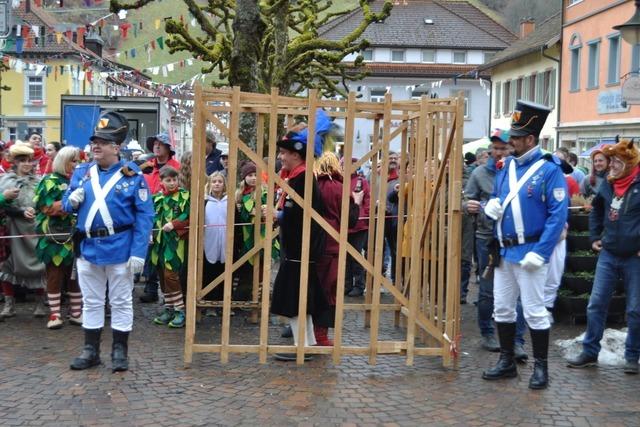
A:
373, 206
306, 229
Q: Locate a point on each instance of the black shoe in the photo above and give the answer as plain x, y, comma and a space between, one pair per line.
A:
147, 298
490, 343
583, 360
519, 354
119, 351
356, 292
286, 332
631, 367
506, 366
540, 377
290, 357
90, 356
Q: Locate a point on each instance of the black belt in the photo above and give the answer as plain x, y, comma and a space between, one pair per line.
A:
104, 231
508, 243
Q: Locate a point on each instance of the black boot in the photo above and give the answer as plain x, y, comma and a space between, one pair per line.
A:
119, 351
90, 352
540, 342
506, 366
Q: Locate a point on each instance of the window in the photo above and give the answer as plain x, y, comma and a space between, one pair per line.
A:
505, 97
572, 2
512, 95
497, 100
35, 90
367, 54
487, 56
549, 93
519, 88
13, 134
532, 87
417, 93
397, 56
613, 76
594, 60
460, 57
635, 59
377, 95
539, 88
429, 55
575, 68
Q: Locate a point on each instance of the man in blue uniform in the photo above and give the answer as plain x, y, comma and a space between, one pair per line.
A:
530, 205
115, 217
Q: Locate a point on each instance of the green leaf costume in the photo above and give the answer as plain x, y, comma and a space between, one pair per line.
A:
168, 248
56, 250
246, 213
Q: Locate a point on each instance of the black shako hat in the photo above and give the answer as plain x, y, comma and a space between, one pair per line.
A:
112, 127
528, 118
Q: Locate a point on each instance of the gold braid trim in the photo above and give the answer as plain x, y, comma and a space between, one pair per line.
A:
524, 125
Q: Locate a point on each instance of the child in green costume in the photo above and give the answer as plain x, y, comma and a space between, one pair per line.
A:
169, 243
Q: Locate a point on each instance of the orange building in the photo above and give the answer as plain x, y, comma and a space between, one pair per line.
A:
595, 63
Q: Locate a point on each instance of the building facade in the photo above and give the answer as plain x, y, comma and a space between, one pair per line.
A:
595, 63
425, 47
528, 70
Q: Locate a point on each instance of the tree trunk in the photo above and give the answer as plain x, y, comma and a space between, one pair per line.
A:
248, 29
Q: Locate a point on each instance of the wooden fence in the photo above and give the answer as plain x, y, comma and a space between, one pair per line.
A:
425, 292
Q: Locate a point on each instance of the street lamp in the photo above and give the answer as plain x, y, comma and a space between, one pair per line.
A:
630, 30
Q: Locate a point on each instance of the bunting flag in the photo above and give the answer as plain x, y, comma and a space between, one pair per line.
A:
80, 36
157, 24
160, 41
19, 44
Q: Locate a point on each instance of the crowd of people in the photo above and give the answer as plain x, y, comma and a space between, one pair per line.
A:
516, 206
102, 223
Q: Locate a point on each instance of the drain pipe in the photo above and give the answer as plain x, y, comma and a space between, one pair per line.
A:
558, 93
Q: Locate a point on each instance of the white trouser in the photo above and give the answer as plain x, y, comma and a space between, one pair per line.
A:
93, 283
510, 281
310, 337
554, 277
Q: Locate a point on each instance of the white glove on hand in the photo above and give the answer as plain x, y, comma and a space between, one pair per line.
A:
493, 209
76, 197
532, 261
135, 264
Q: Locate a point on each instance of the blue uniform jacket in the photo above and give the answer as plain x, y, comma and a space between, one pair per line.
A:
129, 203
544, 200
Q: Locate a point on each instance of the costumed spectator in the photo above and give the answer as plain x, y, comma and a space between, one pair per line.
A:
477, 192
354, 274
54, 248
34, 139
212, 160
246, 211
5, 164
162, 148
572, 184
599, 171
115, 217
22, 267
329, 176
224, 161
577, 174
614, 227
286, 287
530, 206
391, 212
51, 150
215, 233
6, 198
169, 245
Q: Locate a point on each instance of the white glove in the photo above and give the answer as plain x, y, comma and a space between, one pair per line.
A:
135, 264
76, 197
493, 209
532, 261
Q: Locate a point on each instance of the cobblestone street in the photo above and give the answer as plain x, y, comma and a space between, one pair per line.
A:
37, 387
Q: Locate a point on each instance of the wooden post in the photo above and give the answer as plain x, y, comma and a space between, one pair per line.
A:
373, 218
306, 228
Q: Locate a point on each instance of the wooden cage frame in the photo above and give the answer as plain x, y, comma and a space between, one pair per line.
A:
426, 291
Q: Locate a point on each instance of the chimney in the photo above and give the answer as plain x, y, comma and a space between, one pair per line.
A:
527, 26
94, 43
